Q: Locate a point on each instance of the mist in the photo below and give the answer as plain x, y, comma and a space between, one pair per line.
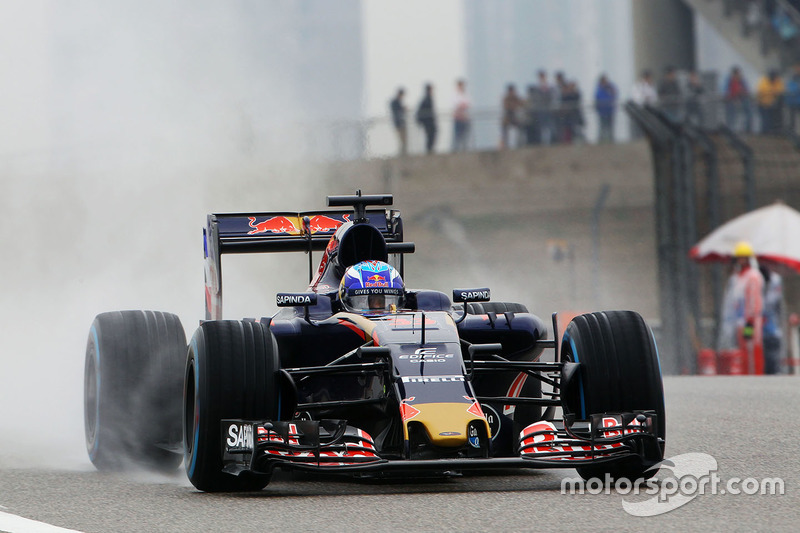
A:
124, 124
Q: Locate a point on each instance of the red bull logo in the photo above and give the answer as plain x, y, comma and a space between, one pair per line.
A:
322, 223
376, 281
279, 224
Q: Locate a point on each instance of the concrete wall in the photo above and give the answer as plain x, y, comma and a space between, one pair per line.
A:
511, 220
521, 222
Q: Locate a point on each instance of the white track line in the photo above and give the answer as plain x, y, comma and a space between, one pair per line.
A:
16, 524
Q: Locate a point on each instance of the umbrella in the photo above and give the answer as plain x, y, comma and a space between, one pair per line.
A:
773, 232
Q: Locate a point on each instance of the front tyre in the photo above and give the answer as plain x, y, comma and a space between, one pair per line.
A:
619, 372
133, 377
231, 373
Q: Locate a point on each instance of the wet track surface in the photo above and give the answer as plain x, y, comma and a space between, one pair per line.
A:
748, 425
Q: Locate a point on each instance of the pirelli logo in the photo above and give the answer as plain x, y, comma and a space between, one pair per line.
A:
432, 379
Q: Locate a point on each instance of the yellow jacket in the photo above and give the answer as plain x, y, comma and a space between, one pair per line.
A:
769, 91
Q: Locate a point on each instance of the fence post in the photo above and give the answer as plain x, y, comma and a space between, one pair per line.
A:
662, 144
684, 219
711, 160
746, 155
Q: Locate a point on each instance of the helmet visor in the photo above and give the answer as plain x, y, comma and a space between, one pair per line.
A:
373, 300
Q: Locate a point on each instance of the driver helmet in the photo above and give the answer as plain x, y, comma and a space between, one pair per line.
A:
371, 287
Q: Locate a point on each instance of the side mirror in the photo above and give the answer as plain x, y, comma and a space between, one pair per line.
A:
373, 352
470, 295
297, 299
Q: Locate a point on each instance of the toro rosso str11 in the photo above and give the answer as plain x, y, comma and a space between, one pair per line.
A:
360, 374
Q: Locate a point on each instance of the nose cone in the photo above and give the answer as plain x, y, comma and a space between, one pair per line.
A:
446, 423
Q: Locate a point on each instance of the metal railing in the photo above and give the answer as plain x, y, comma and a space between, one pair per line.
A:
376, 137
702, 177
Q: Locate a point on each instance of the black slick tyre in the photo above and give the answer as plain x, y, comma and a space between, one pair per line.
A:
133, 378
231, 373
619, 372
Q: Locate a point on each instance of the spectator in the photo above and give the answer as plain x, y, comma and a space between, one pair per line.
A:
752, 16
773, 321
769, 96
560, 113
512, 105
793, 100
398, 109
461, 120
426, 117
572, 113
643, 93
605, 103
669, 94
543, 109
784, 25
737, 101
694, 97
532, 129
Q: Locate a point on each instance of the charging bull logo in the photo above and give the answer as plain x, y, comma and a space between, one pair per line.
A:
322, 223
376, 281
279, 224
282, 224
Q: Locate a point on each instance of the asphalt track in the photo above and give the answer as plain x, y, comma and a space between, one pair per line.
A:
748, 424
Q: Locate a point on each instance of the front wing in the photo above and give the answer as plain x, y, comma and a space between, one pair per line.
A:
332, 445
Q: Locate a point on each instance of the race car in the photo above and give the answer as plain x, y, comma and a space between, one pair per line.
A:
359, 374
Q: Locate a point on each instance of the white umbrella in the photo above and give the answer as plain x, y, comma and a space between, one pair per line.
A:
773, 232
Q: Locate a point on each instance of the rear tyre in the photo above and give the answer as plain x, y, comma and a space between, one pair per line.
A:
133, 379
620, 372
231, 372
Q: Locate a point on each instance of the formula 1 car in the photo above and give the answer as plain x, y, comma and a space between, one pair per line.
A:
421, 386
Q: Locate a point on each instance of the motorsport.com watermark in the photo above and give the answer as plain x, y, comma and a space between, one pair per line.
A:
692, 475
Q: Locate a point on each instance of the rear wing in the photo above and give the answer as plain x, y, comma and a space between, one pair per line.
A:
309, 231
288, 232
